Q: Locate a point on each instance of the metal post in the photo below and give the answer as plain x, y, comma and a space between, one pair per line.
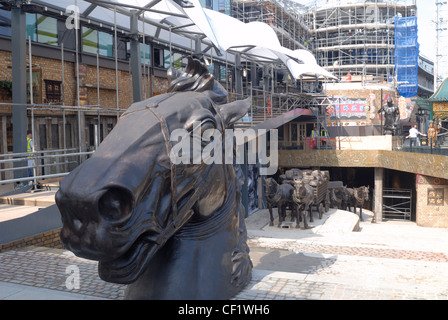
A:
171, 50
64, 135
145, 91
238, 77
77, 90
98, 129
129, 80
18, 52
136, 66
116, 62
30, 57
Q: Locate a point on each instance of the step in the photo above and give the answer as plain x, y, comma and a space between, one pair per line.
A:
38, 199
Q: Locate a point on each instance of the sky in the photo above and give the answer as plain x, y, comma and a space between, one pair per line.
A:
426, 28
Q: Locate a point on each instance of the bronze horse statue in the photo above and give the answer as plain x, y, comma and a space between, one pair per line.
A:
279, 196
303, 196
339, 198
170, 231
357, 197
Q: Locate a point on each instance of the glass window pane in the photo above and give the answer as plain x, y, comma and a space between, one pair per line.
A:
47, 31
158, 57
177, 60
31, 30
89, 40
106, 44
122, 49
5, 23
166, 59
222, 72
145, 57
66, 36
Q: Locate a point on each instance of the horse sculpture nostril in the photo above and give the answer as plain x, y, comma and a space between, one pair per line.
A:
115, 204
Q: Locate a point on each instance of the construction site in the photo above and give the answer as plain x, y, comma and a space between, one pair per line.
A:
357, 37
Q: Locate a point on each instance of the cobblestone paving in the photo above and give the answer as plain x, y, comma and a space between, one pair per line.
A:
345, 275
46, 268
352, 250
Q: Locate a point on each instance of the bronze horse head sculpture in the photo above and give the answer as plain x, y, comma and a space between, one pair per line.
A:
169, 231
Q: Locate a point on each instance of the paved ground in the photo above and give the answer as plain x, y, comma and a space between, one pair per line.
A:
388, 260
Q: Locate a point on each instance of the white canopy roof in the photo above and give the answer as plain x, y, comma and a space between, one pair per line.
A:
182, 21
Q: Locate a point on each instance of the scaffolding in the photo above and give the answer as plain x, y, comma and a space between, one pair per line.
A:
284, 16
356, 37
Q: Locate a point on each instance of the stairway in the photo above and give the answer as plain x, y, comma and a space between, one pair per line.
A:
257, 117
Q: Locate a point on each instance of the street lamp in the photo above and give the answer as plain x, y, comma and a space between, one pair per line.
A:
420, 114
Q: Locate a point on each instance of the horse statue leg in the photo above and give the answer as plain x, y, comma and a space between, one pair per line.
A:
309, 207
271, 223
303, 216
360, 213
310, 210
281, 213
293, 208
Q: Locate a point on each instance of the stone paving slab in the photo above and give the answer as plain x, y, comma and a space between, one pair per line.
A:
278, 274
382, 261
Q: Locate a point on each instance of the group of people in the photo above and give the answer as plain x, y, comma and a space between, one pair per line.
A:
432, 135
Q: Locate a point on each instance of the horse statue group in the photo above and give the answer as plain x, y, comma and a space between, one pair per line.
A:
345, 198
300, 190
297, 190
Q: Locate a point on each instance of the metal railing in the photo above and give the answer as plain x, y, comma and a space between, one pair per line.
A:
45, 164
425, 145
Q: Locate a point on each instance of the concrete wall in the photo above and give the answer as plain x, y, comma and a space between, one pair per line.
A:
425, 164
432, 202
368, 142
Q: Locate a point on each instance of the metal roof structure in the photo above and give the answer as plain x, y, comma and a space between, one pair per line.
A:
185, 24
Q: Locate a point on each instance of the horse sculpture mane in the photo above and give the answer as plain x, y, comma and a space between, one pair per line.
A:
170, 231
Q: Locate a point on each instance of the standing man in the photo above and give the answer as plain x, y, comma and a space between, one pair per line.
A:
413, 134
29, 148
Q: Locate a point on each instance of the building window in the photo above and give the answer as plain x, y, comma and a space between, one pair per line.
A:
53, 91
106, 44
122, 49
222, 73
145, 53
162, 59
55, 136
42, 29
42, 137
5, 23
436, 197
94, 41
176, 60
47, 30
66, 36
158, 57
31, 29
89, 40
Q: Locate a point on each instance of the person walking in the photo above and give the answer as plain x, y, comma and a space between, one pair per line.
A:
29, 148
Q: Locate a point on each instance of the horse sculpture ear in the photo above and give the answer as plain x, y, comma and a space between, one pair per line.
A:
234, 111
